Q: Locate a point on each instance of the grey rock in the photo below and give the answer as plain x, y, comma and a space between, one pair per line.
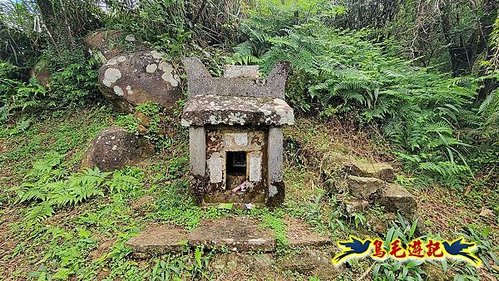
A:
365, 188
115, 148
395, 198
352, 206
135, 78
382, 171
242, 71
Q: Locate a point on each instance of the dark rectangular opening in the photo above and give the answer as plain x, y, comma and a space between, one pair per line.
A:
236, 163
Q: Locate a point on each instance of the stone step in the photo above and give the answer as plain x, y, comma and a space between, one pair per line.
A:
158, 240
396, 198
241, 234
365, 188
382, 171
237, 234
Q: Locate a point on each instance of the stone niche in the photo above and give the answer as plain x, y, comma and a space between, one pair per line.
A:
235, 134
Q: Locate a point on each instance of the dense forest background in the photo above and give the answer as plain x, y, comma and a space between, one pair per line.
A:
423, 73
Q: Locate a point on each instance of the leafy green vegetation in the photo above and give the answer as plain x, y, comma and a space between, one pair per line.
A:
46, 185
419, 110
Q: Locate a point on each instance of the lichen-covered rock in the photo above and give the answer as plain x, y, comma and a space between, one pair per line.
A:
395, 198
135, 78
115, 148
382, 171
107, 44
365, 188
352, 206
158, 240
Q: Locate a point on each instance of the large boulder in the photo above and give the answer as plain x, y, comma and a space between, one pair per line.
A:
107, 44
115, 148
135, 78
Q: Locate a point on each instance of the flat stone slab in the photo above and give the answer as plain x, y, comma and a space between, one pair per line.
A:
204, 110
241, 234
301, 235
158, 240
238, 234
382, 171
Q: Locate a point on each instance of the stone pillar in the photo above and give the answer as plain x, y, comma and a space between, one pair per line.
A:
197, 151
275, 165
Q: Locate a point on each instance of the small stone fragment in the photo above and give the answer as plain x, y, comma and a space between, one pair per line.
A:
130, 38
144, 120
487, 213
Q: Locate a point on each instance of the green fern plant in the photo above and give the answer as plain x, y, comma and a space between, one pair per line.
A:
336, 71
48, 188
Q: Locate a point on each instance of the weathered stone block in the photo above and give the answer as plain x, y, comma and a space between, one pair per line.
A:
365, 188
299, 234
158, 240
395, 198
381, 171
200, 82
115, 148
197, 150
312, 263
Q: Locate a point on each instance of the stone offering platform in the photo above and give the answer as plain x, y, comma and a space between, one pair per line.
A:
239, 234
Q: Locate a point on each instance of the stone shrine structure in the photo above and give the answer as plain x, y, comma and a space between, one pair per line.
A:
235, 134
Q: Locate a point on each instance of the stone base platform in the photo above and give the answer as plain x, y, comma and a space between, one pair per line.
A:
239, 234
